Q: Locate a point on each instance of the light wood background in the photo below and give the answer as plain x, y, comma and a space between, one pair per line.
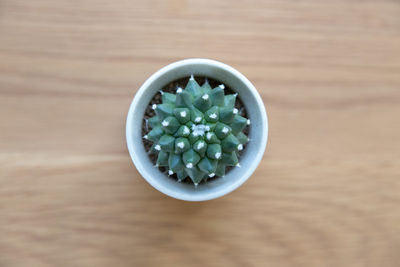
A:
327, 192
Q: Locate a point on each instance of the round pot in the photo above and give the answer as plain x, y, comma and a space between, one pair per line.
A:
251, 156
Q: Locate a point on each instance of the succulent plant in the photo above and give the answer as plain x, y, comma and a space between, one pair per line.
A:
197, 132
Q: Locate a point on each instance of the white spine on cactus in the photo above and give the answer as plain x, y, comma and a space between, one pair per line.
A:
189, 165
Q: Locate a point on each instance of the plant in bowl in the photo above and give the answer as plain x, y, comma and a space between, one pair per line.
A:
195, 142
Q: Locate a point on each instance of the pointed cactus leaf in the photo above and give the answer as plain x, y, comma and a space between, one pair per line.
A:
238, 124
196, 116
208, 165
181, 175
193, 87
243, 139
222, 130
229, 158
229, 101
220, 171
155, 134
170, 125
183, 99
168, 98
167, 143
230, 143
154, 121
211, 138
181, 145
217, 96
206, 87
162, 159
175, 162
226, 115
214, 151
155, 148
202, 102
190, 158
164, 110
182, 114
200, 147
183, 131
195, 174
212, 115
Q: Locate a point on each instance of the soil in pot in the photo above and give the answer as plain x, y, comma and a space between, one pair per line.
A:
171, 88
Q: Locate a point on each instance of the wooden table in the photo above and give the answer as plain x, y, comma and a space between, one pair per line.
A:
327, 192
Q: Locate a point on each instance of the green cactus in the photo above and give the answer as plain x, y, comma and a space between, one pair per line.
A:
197, 132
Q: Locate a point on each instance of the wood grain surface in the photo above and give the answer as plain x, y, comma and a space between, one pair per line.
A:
327, 192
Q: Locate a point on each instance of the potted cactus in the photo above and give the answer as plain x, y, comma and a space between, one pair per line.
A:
195, 141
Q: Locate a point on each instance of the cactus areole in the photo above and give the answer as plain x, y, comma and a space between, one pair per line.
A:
197, 132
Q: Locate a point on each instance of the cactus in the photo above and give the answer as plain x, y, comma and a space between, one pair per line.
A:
197, 132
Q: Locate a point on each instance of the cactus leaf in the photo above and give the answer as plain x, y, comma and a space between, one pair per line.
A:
183, 99
229, 101
170, 125
196, 116
183, 131
202, 102
155, 134
243, 139
229, 158
217, 96
181, 145
193, 88
162, 159
226, 115
214, 151
200, 147
208, 165
168, 98
182, 114
190, 158
220, 171
212, 115
154, 121
166, 143
175, 162
195, 174
181, 175
211, 138
206, 87
238, 124
222, 130
230, 143
164, 110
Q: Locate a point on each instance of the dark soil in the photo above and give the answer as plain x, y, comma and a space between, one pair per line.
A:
171, 88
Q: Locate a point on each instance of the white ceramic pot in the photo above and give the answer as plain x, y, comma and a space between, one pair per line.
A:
251, 156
